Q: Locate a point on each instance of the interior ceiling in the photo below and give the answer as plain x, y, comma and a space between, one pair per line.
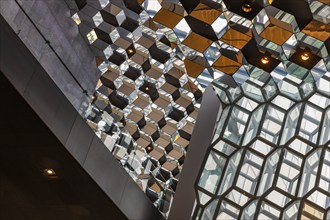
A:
156, 58
28, 147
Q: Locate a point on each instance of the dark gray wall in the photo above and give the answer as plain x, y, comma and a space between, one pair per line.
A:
53, 19
33, 81
184, 197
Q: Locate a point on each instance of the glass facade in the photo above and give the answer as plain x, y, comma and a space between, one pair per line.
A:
269, 155
156, 57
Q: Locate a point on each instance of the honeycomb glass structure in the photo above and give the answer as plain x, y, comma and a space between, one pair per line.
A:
157, 56
269, 155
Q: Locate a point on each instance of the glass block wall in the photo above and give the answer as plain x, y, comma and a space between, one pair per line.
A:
269, 157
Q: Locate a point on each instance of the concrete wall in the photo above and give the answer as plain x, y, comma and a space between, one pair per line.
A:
53, 19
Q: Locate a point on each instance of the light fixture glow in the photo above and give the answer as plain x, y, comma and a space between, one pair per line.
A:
147, 88
49, 172
130, 51
149, 148
264, 60
247, 7
304, 56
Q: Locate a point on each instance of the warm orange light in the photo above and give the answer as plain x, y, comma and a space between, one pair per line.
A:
49, 172
247, 7
265, 60
304, 56
147, 88
130, 51
149, 148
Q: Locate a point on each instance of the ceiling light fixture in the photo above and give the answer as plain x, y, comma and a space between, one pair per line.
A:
149, 148
304, 56
49, 172
247, 6
264, 60
130, 51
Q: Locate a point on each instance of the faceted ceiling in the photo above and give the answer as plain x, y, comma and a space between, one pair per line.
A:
156, 57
